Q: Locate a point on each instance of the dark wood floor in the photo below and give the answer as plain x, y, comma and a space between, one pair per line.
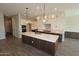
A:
70, 47
12, 46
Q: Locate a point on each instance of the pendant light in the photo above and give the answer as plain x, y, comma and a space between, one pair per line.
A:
26, 13
27, 16
44, 17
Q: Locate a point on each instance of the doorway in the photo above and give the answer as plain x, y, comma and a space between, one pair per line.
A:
8, 26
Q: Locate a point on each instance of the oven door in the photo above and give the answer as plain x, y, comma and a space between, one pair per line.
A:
23, 28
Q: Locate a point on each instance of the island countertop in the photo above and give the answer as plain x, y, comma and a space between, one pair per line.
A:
42, 36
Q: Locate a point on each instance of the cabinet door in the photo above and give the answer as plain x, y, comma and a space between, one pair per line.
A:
50, 48
23, 38
36, 42
47, 46
41, 45
27, 40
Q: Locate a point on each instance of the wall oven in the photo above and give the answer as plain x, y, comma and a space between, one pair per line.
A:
24, 28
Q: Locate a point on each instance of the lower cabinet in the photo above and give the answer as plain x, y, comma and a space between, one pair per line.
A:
48, 47
45, 46
27, 40
73, 35
30, 40
35, 42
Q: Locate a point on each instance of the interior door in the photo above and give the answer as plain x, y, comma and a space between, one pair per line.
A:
8, 25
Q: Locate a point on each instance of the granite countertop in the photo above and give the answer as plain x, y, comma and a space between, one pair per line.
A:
43, 36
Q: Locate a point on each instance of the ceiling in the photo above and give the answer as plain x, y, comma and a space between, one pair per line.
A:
35, 9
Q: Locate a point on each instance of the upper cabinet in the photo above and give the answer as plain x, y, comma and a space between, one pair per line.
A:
48, 21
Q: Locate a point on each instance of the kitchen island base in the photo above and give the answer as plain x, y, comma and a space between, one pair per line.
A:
43, 45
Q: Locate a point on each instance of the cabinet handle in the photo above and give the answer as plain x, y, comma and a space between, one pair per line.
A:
32, 41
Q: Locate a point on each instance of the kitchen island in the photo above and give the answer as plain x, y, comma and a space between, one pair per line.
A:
45, 42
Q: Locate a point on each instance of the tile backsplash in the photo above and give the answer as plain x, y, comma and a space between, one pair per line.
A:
47, 27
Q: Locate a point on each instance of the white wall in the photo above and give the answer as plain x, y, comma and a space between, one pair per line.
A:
72, 20
16, 26
2, 28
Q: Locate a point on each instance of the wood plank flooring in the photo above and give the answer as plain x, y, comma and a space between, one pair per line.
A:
12, 46
70, 47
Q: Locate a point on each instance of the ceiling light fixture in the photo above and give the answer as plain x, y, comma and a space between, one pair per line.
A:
44, 20
26, 13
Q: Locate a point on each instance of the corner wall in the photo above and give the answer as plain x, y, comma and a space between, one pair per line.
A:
2, 28
16, 26
72, 20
